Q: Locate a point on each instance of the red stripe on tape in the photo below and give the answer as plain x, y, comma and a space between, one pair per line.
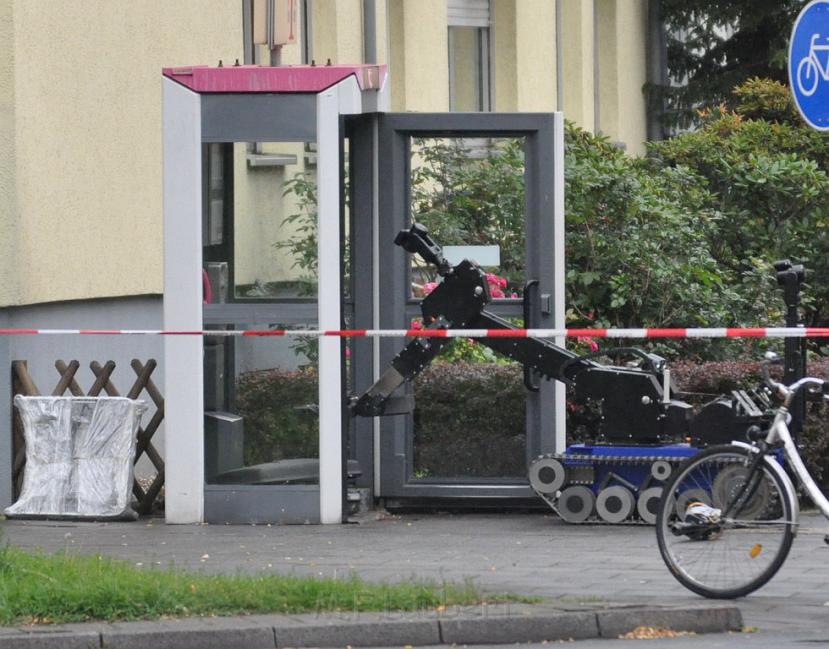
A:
19, 331
587, 333
746, 332
667, 333
817, 332
431, 333
347, 333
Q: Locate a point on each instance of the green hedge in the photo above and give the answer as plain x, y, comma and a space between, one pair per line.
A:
469, 418
722, 376
278, 421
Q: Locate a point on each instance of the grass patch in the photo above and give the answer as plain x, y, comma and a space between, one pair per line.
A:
41, 588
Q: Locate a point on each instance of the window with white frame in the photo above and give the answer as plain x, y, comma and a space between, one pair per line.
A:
469, 55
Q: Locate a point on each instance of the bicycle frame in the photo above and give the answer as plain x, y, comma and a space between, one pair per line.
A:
775, 466
814, 48
779, 432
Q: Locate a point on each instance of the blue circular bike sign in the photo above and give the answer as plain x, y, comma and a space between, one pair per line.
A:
809, 64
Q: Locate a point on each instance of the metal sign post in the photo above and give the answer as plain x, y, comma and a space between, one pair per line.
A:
809, 81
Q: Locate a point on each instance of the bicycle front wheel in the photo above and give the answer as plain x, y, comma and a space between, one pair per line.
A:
719, 539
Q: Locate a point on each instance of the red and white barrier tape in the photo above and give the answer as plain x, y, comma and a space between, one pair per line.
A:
757, 332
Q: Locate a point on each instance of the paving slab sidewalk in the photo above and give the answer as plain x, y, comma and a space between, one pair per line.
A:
596, 576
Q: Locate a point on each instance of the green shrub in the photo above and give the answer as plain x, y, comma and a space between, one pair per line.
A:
683, 237
767, 179
302, 244
766, 99
280, 420
469, 420
469, 417
636, 241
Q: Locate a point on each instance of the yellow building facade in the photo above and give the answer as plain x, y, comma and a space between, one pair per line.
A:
80, 150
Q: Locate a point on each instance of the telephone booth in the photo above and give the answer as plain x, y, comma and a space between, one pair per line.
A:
284, 188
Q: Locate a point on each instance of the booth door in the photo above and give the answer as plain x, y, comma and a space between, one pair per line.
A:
489, 187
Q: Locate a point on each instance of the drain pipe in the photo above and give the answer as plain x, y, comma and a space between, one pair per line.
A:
369, 31
657, 65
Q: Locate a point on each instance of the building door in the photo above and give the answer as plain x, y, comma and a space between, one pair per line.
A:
489, 187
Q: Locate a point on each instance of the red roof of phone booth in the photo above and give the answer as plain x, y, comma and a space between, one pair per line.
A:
283, 78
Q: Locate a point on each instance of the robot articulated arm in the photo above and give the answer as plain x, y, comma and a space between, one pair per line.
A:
634, 406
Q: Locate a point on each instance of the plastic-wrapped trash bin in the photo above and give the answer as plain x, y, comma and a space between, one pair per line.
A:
79, 457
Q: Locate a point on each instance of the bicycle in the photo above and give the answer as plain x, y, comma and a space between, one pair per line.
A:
729, 514
811, 69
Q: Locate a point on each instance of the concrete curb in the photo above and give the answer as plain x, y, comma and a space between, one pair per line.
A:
371, 629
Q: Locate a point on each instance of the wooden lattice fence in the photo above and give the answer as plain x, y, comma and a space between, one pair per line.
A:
22, 383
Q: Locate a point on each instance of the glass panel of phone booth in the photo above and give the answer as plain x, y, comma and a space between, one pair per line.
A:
260, 248
469, 193
439, 451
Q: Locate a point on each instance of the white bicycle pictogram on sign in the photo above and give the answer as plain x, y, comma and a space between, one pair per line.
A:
810, 67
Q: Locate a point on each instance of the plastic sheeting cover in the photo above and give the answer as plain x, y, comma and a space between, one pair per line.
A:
79, 456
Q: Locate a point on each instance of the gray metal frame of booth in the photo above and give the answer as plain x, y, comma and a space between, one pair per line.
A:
266, 118
542, 134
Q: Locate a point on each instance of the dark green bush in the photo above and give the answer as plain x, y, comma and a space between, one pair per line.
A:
767, 179
636, 243
715, 377
683, 237
469, 418
766, 99
278, 421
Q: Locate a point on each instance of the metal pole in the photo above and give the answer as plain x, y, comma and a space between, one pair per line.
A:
790, 277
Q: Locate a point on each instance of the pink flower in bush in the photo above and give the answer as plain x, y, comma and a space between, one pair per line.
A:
496, 285
428, 287
594, 346
494, 280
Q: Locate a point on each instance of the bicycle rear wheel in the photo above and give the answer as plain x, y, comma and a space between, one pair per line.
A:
720, 540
